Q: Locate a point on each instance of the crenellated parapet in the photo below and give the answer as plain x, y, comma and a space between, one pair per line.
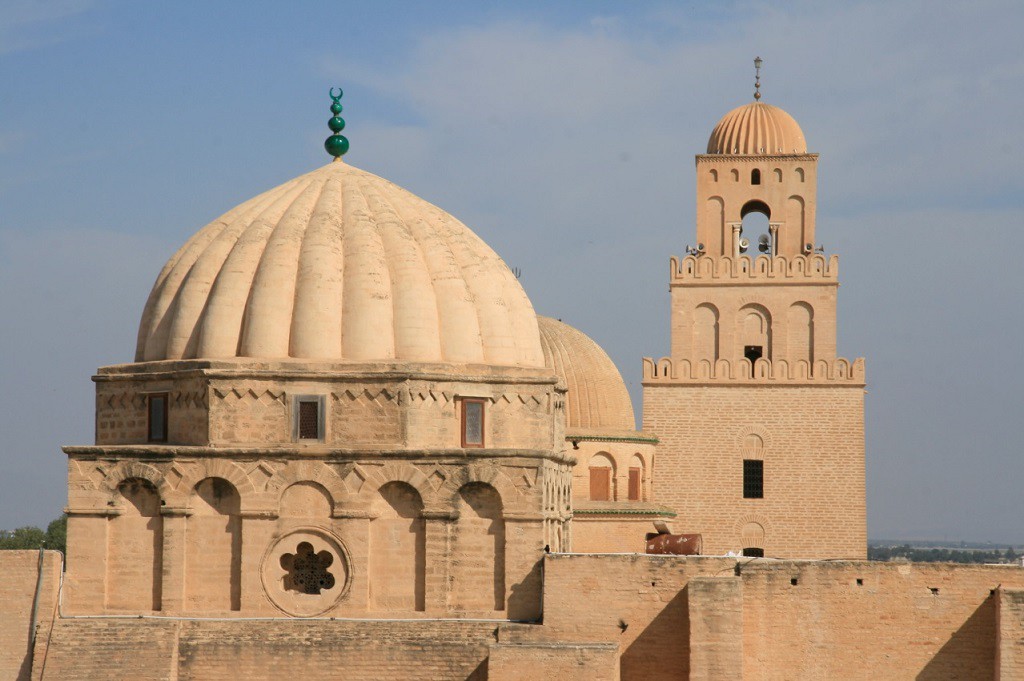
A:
669, 371
796, 269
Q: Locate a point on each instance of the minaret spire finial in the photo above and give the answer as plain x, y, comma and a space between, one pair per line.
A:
757, 78
336, 145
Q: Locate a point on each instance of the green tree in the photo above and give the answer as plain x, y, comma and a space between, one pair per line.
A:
22, 538
29, 537
57, 534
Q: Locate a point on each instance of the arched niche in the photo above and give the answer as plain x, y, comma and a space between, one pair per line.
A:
306, 499
397, 567
213, 553
601, 468
800, 331
705, 332
714, 218
478, 566
135, 548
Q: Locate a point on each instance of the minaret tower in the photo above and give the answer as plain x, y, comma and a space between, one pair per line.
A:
761, 425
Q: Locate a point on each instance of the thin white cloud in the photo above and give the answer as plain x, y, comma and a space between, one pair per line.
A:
32, 24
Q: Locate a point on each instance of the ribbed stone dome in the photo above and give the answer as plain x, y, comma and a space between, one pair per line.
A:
339, 264
757, 128
597, 398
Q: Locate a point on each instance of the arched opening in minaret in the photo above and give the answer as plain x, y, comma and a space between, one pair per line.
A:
755, 176
755, 215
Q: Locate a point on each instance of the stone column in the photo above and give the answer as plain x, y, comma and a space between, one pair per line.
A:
258, 529
172, 577
352, 527
437, 579
85, 590
524, 549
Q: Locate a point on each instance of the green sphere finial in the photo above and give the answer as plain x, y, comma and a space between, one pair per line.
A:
336, 145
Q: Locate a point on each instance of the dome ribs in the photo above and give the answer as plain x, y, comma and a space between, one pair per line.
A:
319, 288
480, 268
225, 315
414, 304
757, 129
367, 318
457, 321
270, 306
597, 398
339, 264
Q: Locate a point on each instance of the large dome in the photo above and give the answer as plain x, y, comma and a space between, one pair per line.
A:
339, 264
597, 397
757, 128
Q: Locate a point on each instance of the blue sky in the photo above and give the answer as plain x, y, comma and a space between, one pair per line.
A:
563, 134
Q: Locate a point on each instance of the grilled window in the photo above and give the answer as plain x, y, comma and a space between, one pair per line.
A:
157, 407
309, 418
472, 422
753, 479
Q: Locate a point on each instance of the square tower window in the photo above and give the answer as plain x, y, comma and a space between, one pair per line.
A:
753, 479
308, 413
472, 422
157, 417
753, 552
755, 176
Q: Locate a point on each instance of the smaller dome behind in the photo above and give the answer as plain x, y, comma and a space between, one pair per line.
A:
598, 398
757, 129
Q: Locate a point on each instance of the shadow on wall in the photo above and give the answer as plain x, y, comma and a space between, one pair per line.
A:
480, 673
970, 652
523, 598
662, 650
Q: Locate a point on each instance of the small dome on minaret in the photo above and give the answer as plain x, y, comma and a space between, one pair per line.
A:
757, 129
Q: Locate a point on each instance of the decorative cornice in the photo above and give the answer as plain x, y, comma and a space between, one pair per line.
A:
641, 439
710, 158
321, 452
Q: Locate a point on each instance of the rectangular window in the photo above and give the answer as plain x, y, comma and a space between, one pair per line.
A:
753, 479
634, 484
600, 484
753, 552
157, 430
472, 422
309, 418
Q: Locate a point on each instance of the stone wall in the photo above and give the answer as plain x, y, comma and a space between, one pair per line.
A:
1010, 649
89, 649
19, 575
679, 618
865, 620
811, 440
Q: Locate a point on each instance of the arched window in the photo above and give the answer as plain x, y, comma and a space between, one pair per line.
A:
479, 572
735, 175
397, 572
135, 549
755, 176
213, 565
755, 228
602, 477
714, 175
